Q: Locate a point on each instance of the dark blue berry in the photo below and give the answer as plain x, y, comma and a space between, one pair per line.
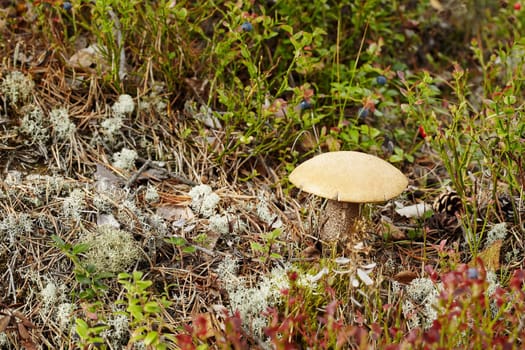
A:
363, 112
67, 5
247, 27
305, 105
388, 146
381, 80
472, 273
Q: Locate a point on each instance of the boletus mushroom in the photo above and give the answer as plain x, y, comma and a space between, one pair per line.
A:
347, 179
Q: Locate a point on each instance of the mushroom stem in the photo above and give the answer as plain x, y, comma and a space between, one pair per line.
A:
339, 219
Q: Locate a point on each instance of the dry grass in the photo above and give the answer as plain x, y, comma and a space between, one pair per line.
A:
39, 177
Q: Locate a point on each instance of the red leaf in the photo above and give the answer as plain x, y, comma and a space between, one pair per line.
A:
421, 131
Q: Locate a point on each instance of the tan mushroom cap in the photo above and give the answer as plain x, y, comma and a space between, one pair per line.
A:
348, 176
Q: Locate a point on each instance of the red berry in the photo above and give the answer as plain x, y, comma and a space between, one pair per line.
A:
517, 6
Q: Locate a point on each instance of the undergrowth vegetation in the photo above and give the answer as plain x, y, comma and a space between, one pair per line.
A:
145, 148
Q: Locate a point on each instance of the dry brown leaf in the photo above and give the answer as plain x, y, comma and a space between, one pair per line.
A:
175, 212
405, 277
108, 219
88, 59
25, 320
153, 174
332, 143
104, 177
436, 5
29, 345
311, 252
391, 231
212, 237
4, 323
174, 199
308, 141
204, 325
22, 331
490, 256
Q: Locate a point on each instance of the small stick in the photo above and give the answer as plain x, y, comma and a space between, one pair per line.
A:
137, 174
158, 165
208, 251
182, 179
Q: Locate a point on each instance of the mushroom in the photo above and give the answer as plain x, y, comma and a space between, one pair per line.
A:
347, 179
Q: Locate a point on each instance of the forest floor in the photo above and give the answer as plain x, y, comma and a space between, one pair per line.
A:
137, 212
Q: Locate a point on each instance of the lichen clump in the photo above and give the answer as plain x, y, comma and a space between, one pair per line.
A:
125, 159
111, 126
14, 226
264, 213
114, 122
74, 204
252, 302
34, 124
111, 250
497, 232
151, 195
203, 200
63, 127
124, 105
17, 87
422, 294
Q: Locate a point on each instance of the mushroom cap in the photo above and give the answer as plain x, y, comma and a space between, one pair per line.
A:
348, 176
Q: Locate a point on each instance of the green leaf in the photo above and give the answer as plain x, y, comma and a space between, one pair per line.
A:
182, 13
177, 241
306, 39
98, 329
151, 338
287, 28
136, 312
103, 275
139, 333
82, 279
96, 340
165, 302
189, 249
59, 242
82, 328
354, 135
143, 285
91, 268
87, 294
276, 256
256, 247
152, 307
245, 52
137, 275
271, 236
121, 302
394, 158
80, 248
123, 276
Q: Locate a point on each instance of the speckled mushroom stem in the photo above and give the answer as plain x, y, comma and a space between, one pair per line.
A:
339, 220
